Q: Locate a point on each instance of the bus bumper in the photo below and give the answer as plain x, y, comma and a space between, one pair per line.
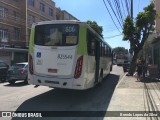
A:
56, 82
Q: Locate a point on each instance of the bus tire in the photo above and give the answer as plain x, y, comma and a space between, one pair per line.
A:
111, 68
12, 82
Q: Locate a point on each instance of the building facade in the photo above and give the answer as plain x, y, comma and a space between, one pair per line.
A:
16, 18
156, 39
12, 26
67, 16
157, 4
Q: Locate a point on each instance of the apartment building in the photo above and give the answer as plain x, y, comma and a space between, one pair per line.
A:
59, 14
64, 15
16, 17
67, 16
156, 39
153, 48
12, 26
157, 4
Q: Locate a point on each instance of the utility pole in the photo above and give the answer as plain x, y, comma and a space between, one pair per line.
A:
132, 9
131, 50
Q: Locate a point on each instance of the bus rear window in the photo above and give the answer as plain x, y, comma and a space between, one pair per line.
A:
56, 35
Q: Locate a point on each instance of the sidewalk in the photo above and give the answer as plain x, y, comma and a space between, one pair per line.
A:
139, 96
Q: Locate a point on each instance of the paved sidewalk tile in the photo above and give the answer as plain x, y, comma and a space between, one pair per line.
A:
133, 95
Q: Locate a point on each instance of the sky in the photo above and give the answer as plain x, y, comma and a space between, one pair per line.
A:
95, 10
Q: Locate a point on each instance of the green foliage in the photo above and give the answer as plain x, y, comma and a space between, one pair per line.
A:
119, 50
146, 18
137, 32
96, 27
128, 28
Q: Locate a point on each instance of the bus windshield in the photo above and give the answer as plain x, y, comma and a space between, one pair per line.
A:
56, 35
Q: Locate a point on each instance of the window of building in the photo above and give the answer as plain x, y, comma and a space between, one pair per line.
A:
57, 17
16, 34
3, 12
50, 11
16, 0
31, 18
31, 2
16, 16
3, 34
42, 7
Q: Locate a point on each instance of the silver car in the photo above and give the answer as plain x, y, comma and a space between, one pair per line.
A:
18, 72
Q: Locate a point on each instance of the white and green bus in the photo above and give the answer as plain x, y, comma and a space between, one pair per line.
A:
67, 54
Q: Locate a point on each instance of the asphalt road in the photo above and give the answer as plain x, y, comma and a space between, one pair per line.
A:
21, 97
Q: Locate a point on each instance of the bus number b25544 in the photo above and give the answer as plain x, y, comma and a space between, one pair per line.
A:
61, 56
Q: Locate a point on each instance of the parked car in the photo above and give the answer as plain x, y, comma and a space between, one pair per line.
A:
18, 72
126, 65
3, 71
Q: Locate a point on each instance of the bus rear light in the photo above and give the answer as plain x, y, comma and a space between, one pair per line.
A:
78, 69
23, 71
30, 64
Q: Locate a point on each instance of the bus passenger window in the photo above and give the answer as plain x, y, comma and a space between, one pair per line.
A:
92, 47
103, 49
100, 49
90, 44
107, 51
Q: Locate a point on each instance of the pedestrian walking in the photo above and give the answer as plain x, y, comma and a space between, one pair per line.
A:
139, 69
144, 70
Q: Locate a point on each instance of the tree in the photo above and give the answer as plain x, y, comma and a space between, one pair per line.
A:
119, 50
138, 32
96, 27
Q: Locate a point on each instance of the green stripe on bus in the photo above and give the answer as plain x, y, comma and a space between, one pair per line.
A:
82, 44
31, 42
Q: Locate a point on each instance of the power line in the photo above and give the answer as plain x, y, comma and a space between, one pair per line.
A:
123, 9
111, 16
113, 36
118, 8
114, 12
110, 30
127, 6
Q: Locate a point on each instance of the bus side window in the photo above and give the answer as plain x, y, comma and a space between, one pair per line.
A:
90, 43
101, 51
105, 50
108, 52
93, 48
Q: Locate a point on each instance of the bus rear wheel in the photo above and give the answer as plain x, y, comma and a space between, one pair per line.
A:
111, 68
12, 82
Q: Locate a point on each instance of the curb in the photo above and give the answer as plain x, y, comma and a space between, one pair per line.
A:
121, 79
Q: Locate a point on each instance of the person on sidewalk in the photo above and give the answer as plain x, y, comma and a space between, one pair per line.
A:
144, 69
139, 69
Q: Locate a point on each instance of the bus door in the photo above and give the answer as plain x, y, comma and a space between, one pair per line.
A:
97, 58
